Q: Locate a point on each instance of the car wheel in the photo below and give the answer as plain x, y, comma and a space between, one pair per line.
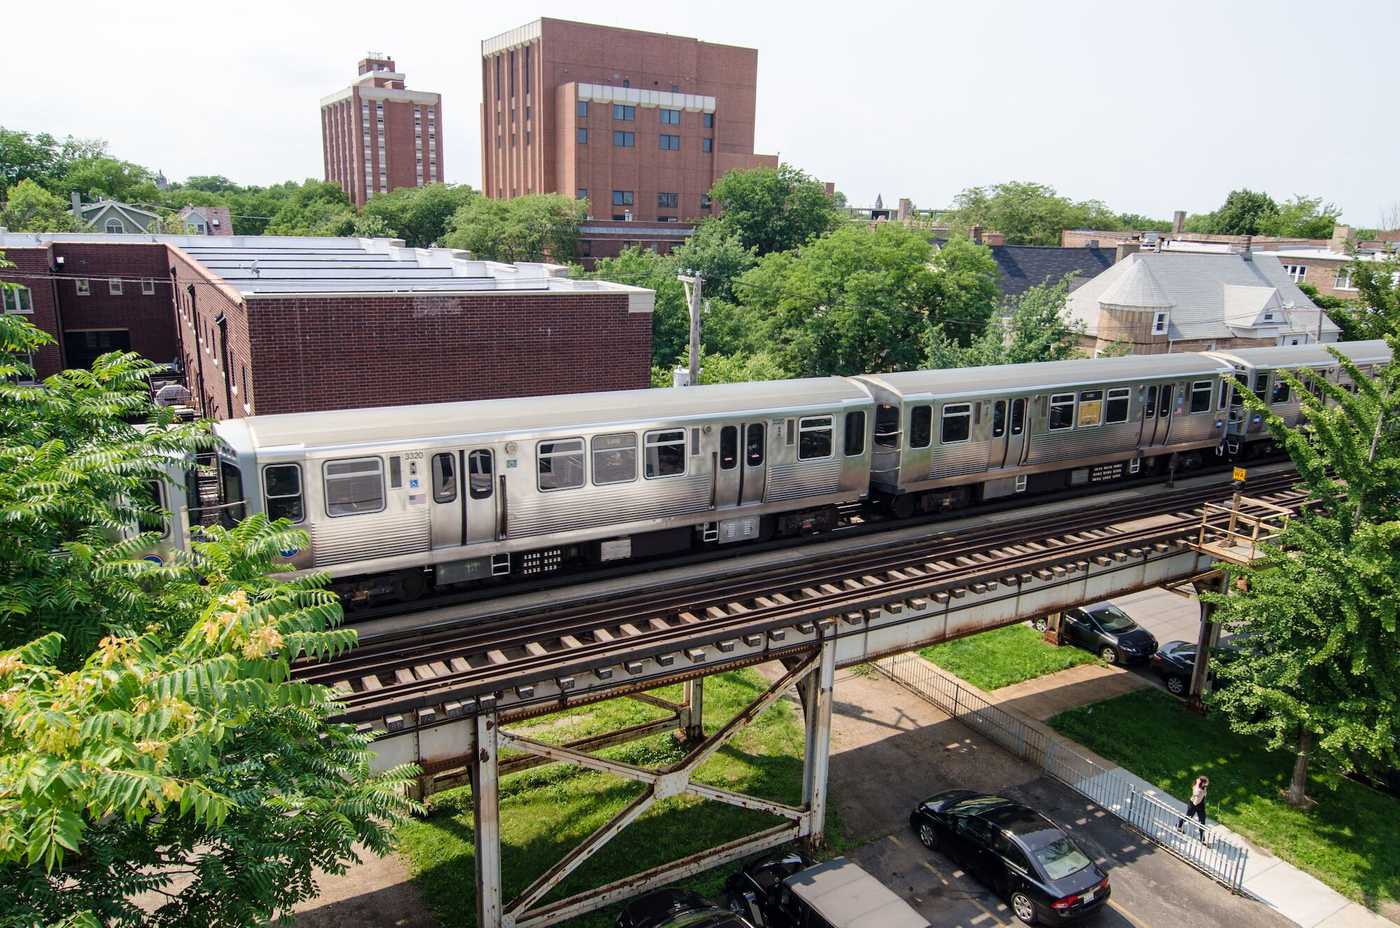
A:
1176, 685
736, 905
1109, 654
1040, 624
1024, 909
927, 836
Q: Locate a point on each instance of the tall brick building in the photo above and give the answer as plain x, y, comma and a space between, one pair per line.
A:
639, 124
377, 135
265, 324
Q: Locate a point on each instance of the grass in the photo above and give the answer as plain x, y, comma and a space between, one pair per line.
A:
548, 810
1350, 840
1003, 656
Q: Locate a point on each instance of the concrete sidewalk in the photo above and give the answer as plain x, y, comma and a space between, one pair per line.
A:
1297, 896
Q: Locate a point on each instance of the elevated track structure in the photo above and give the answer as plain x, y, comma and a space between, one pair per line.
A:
445, 695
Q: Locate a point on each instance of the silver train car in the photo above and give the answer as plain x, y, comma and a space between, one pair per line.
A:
400, 499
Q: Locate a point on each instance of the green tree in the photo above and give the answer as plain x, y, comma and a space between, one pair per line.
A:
1034, 214
174, 757
28, 207
1244, 212
538, 227
670, 318
41, 157
1036, 327
419, 215
774, 209
312, 208
1377, 305
1321, 672
101, 177
966, 287
1302, 217
717, 254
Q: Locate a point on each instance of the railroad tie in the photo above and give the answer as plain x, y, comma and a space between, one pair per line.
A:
570, 642
658, 625
497, 656
536, 649
629, 630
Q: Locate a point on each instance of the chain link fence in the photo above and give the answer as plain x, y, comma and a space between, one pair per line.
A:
1210, 850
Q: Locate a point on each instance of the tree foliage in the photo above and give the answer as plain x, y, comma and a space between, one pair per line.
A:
1034, 214
717, 254
28, 207
774, 209
1251, 212
1321, 671
314, 208
418, 215
1036, 327
538, 227
172, 756
670, 317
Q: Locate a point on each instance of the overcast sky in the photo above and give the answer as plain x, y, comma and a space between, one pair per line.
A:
1149, 106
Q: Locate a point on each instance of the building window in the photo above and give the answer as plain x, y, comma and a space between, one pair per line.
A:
114, 286
115, 226
582, 136
582, 109
1341, 280
83, 286
624, 139
560, 464
670, 142
1061, 412
624, 112
148, 286
665, 453
709, 120
354, 487
1159, 323
670, 117
707, 145
668, 200
581, 193
17, 299
704, 201
1295, 272
622, 198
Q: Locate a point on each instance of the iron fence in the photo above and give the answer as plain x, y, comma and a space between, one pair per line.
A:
1210, 850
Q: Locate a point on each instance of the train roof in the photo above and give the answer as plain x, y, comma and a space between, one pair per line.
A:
431, 421
1046, 375
1313, 355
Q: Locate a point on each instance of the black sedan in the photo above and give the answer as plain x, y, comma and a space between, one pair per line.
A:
1107, 631
1014, 850
1174, 662
677, 908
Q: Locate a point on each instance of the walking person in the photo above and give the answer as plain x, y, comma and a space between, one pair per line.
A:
1196, 808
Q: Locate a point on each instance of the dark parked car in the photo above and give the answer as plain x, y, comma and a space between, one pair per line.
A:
677, 908
790, 890
1107, 631
1175, 660
1014, 850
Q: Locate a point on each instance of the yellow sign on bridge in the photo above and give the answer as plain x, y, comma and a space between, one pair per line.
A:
1239, 474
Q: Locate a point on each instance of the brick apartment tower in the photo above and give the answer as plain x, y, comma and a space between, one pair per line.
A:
378, 136
639, 124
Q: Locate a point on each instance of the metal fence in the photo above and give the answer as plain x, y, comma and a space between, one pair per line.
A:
1209, 850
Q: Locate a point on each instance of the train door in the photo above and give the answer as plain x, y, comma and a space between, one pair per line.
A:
482, 505
1016, 447
729, 469
996, 446
444, 471
754, 467
1162, 432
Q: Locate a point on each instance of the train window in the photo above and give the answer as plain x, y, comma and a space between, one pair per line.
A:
154, 497
354, 487
999, 419
728, 447
1117, 410
395, 472
887, 426
1224, 392
1201, 393
789, 431
855, 432
444, 477
1149, 404
1280, 392
560, 464
282, 492
665, 453
1090, 408
920, 426
957, 423
753, 445
479, 474
814, 438
1261, 384
1061, 412
1018, 416
1164, 408
614, 458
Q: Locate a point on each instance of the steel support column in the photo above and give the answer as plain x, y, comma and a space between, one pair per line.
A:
693, 715
486, 819
817, 714
1205, 641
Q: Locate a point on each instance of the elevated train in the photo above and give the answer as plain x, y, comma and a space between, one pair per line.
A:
401, 500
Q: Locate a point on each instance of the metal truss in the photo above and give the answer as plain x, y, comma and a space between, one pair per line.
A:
815, 675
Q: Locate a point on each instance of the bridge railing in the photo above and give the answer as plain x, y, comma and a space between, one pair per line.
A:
1210, 850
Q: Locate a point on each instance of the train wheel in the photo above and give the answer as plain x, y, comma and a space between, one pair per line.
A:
902, 506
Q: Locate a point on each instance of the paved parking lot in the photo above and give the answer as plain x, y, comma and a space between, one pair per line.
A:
890, 749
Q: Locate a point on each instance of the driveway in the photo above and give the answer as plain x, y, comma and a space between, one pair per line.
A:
891, 749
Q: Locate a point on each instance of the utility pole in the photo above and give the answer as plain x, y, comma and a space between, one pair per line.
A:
693, 284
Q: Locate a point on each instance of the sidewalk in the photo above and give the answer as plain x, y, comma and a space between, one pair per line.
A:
1296, 895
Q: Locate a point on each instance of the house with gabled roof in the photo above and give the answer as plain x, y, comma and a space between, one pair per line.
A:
114, 217
206, 220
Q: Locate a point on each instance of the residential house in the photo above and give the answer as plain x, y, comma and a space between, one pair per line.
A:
206, 220
113, 217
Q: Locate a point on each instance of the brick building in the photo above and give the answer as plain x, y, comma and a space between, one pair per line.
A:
377, 135
606, 238
264, 324
639, 124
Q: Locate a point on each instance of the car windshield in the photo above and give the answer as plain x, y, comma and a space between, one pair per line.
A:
1061, 858
1113, 619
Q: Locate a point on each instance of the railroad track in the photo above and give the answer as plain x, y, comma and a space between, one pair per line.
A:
435, 670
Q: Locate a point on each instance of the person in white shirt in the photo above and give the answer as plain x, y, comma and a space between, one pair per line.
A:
1196, 808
